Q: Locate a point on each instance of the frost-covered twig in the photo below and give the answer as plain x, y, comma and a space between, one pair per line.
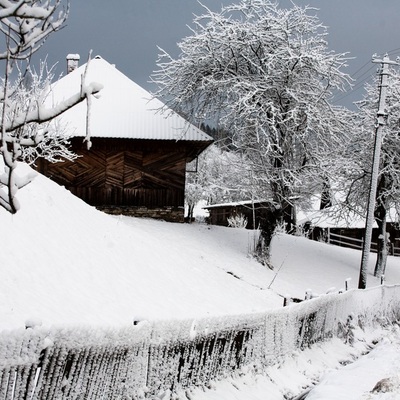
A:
26, 132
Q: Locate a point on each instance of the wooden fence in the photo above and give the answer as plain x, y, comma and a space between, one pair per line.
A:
152, 360
354, 243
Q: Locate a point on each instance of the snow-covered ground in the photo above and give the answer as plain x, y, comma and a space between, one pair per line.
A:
330, 366
67, 264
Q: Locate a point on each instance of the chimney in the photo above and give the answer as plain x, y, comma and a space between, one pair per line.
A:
72, 62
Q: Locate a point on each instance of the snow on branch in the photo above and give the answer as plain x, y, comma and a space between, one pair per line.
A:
265, 75
26, 131
42, 114
28, 24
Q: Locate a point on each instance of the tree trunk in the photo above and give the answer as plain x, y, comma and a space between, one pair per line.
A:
269, 219
326, 199
380, 214
288, 217
380, 218
190, 213
281, 211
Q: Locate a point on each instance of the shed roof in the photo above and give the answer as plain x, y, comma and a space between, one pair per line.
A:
123, 110
245, 203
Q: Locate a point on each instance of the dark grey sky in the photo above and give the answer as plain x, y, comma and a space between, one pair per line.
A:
127, 32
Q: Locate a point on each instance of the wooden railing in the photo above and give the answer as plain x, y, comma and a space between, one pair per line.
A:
354, 243
154, 360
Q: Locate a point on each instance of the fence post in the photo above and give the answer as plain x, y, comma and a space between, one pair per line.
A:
286, 301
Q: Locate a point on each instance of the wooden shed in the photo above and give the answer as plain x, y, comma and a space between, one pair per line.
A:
137, 162
251, 210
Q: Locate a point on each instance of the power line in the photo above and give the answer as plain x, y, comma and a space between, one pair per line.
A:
360, 83
391, 52
359, 69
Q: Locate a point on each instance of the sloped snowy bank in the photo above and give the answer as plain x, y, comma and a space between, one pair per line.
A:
68, 265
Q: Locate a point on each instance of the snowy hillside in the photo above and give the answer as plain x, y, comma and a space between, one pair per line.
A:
66, 263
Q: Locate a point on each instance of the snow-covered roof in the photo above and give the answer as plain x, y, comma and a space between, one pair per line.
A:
123, 110
331, 218
334, 216
248, 203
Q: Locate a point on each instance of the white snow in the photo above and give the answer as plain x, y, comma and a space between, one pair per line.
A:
123, 109
357, 380
323, 363
63, 263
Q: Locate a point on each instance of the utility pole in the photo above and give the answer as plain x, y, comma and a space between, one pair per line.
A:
380, 122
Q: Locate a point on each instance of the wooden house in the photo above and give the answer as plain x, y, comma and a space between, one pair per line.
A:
137, 162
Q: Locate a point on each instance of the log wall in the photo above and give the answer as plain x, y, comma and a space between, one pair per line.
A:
129, 174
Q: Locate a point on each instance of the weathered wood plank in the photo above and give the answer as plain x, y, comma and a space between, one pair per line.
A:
125, 172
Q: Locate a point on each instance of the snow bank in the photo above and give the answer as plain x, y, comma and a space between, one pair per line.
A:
66, 263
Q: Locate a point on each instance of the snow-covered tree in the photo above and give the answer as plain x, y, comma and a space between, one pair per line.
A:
25, 25
220, 176
47, 140
267, 75
359, 176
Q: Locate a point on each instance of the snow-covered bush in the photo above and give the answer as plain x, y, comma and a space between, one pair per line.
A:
237, 221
